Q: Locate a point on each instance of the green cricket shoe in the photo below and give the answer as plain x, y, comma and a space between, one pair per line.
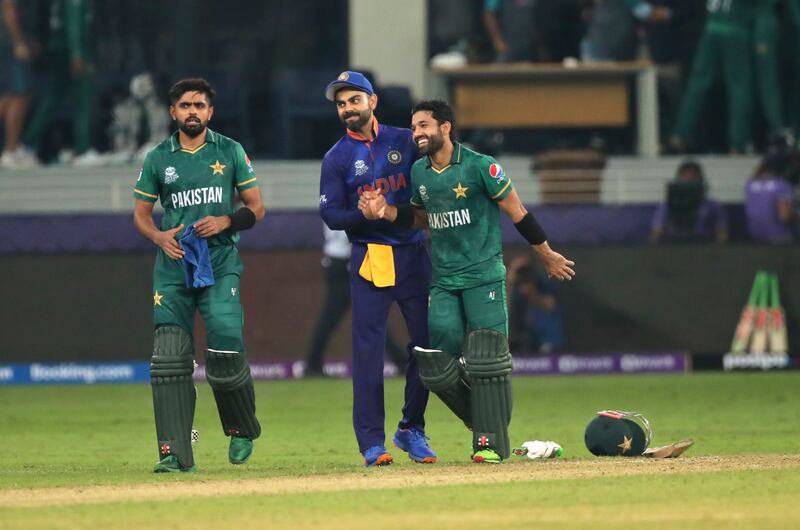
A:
486, 456
240, 449
170, 464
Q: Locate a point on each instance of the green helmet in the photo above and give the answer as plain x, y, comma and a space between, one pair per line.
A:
617, 433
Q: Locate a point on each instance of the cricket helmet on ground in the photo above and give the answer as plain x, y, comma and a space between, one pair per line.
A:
617, 433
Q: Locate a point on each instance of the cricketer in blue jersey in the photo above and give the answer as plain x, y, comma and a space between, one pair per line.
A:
388, 264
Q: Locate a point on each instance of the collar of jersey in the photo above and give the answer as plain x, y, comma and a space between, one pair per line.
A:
455, 159
175, 144
360, 137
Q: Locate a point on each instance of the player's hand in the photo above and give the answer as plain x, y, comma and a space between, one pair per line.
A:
211, 225
377, 206
22, 52
556, 265
167, 242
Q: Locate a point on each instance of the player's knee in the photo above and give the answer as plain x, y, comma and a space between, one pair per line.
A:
173, 354
226, 369
486, 354
438, 370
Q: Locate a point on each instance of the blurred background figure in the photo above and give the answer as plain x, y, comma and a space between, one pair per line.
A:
70, 77
769, 197
611, 28
535, 321
336, 302
137, 122
688, 214
18, 48
511, 28
725, 49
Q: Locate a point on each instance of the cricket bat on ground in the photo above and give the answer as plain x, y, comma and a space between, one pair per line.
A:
778, 342
758, 344
741, 337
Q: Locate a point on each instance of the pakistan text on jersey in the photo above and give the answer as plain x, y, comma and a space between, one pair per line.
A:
197, 196
449, 219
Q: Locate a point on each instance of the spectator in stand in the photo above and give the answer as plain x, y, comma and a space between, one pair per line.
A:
17, 51
535, 322
769, 199
611, 31
511, 28
70, 72
688, 214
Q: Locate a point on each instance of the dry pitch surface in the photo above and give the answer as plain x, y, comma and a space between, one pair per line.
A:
395, 478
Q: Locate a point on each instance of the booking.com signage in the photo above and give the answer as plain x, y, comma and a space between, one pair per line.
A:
139, 372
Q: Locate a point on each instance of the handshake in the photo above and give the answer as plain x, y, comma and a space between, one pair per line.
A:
374, 206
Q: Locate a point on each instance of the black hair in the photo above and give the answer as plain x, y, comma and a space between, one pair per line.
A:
691, 165
441, 112
192, 84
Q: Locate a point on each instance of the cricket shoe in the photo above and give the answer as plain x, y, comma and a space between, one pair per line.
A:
170, 464
377, 456
486, 456
415, 443
239, 449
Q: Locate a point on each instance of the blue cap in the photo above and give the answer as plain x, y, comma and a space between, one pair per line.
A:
348, 79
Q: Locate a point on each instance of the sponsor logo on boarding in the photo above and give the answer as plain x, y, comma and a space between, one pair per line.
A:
361, 167
497, 173
170, 175
394, 156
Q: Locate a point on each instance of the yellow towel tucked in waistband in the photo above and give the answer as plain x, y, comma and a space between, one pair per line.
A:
378, 265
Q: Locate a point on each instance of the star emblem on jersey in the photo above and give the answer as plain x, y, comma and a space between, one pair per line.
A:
461, 192
217, 168
394, 156
626, 444
157, 298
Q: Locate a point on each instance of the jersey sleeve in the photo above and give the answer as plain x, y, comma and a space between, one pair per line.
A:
245, 174
416, 200
333, 197
147, 186
494, 179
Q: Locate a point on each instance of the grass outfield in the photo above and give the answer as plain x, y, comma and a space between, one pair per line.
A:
81, 456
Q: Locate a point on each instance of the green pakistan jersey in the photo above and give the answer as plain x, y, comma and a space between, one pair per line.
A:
730, 15
194, 184
464, 218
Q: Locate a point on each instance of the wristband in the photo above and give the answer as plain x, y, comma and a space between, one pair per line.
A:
530, 229
405, 216
242, 219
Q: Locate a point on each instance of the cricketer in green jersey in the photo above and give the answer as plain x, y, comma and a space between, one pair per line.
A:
458, 194
195, 174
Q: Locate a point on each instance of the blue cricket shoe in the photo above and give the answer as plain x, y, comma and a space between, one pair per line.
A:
415, 443
377, 456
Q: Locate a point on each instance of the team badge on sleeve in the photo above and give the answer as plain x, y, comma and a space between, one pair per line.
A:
248, 162
497, 173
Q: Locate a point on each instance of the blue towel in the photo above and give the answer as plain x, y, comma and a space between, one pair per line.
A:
197, 271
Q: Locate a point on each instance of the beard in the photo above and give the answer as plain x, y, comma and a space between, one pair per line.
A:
435, 142
192, 127
356, 125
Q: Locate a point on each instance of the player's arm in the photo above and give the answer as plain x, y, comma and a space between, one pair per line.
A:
557, 266
333, 197
165, 240
11, 20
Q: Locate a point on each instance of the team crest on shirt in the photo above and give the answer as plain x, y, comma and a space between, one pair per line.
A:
423, 192
361, 167
497, 173
394, 156
170, 175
